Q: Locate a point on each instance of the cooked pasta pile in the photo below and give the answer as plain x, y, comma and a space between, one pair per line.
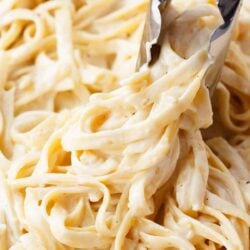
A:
94, 155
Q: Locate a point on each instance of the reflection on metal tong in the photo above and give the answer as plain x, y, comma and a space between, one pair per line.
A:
150, 46
218, 45
220, 40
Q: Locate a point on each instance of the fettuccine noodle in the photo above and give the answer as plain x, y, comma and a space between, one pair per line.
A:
94, 155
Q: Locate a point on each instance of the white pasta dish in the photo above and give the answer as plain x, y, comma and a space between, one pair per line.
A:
94, 155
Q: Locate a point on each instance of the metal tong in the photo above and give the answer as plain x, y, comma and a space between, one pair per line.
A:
218, 44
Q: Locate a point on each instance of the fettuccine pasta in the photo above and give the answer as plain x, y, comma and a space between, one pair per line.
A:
94, 155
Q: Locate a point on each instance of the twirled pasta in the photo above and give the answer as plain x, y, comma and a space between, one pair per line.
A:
97, 156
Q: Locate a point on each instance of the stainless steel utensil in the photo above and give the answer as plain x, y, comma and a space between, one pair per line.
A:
152, 32
218, 45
